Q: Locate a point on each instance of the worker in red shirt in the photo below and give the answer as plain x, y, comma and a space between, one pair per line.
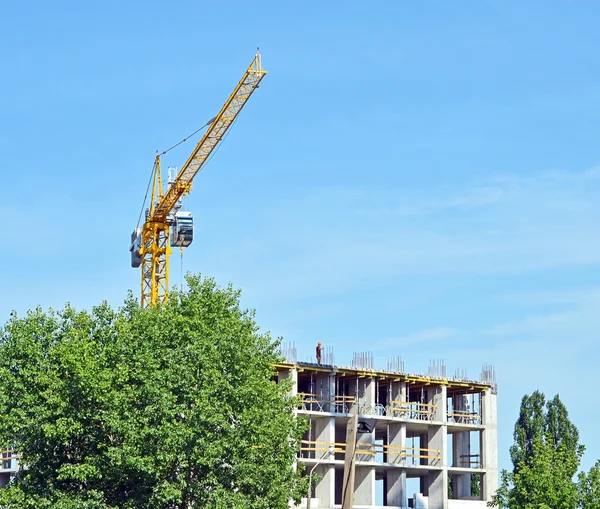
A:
319, 352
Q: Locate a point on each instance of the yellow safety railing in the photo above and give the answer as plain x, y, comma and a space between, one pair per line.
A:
460, 417
390, 453
343, 404
413, 410
321, 403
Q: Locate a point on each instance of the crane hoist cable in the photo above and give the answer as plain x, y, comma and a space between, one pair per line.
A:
165, 225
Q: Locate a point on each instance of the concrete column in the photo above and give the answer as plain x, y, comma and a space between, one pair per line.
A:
323, 431
437, 395
438, 489
325, 489
436, 434
398, 391
366, 440
354, 390
397, 439
368, 394
364, 487
291, 374
364, 493
460, 404
367, 400
461, 446
489, 443
332, 392
437, 439
397, 394
396, 488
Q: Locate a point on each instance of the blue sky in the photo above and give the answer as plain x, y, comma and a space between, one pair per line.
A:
412, 179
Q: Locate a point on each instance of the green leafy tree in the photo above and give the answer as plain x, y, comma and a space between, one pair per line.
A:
589, 488
476, 485
172, 407
530, 424
546, 455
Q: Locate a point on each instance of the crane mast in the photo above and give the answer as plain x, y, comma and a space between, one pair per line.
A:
151, 244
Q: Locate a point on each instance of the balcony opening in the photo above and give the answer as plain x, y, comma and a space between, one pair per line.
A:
464, 407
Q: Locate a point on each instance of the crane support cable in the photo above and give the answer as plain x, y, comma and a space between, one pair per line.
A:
146, 195
188, 137
211, 138
162, 154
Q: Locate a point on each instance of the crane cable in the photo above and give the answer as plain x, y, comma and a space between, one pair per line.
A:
181, 275
146, 196
213, 153
187, 137
163, 153
209, 158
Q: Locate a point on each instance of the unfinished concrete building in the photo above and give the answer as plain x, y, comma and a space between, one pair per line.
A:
9, 465
432, 441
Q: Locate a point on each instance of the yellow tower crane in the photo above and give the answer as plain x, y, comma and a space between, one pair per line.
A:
165, 225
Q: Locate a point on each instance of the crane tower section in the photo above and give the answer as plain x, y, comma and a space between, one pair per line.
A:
165, 225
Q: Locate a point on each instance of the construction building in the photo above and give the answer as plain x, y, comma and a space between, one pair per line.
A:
427, 441
9, 465
424, 441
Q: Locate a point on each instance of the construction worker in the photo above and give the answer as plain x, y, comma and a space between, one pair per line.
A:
319, 352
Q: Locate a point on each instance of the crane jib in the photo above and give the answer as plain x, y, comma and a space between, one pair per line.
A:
210, 140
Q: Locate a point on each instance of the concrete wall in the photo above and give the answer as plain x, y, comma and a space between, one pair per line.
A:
325, 489
489, 444
396, 488
364, 486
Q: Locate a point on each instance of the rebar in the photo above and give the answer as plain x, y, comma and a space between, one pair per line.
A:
488, 373
363, 360
288, 351
395, 364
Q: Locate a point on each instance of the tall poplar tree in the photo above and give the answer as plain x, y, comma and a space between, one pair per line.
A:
546, 455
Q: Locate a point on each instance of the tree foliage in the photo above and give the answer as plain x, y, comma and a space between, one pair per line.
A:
170, 407
546, 455
476, 485
589, 488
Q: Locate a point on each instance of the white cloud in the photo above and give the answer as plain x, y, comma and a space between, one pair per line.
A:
333, 240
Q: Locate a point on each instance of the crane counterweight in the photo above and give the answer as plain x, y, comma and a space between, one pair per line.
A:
182, 230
